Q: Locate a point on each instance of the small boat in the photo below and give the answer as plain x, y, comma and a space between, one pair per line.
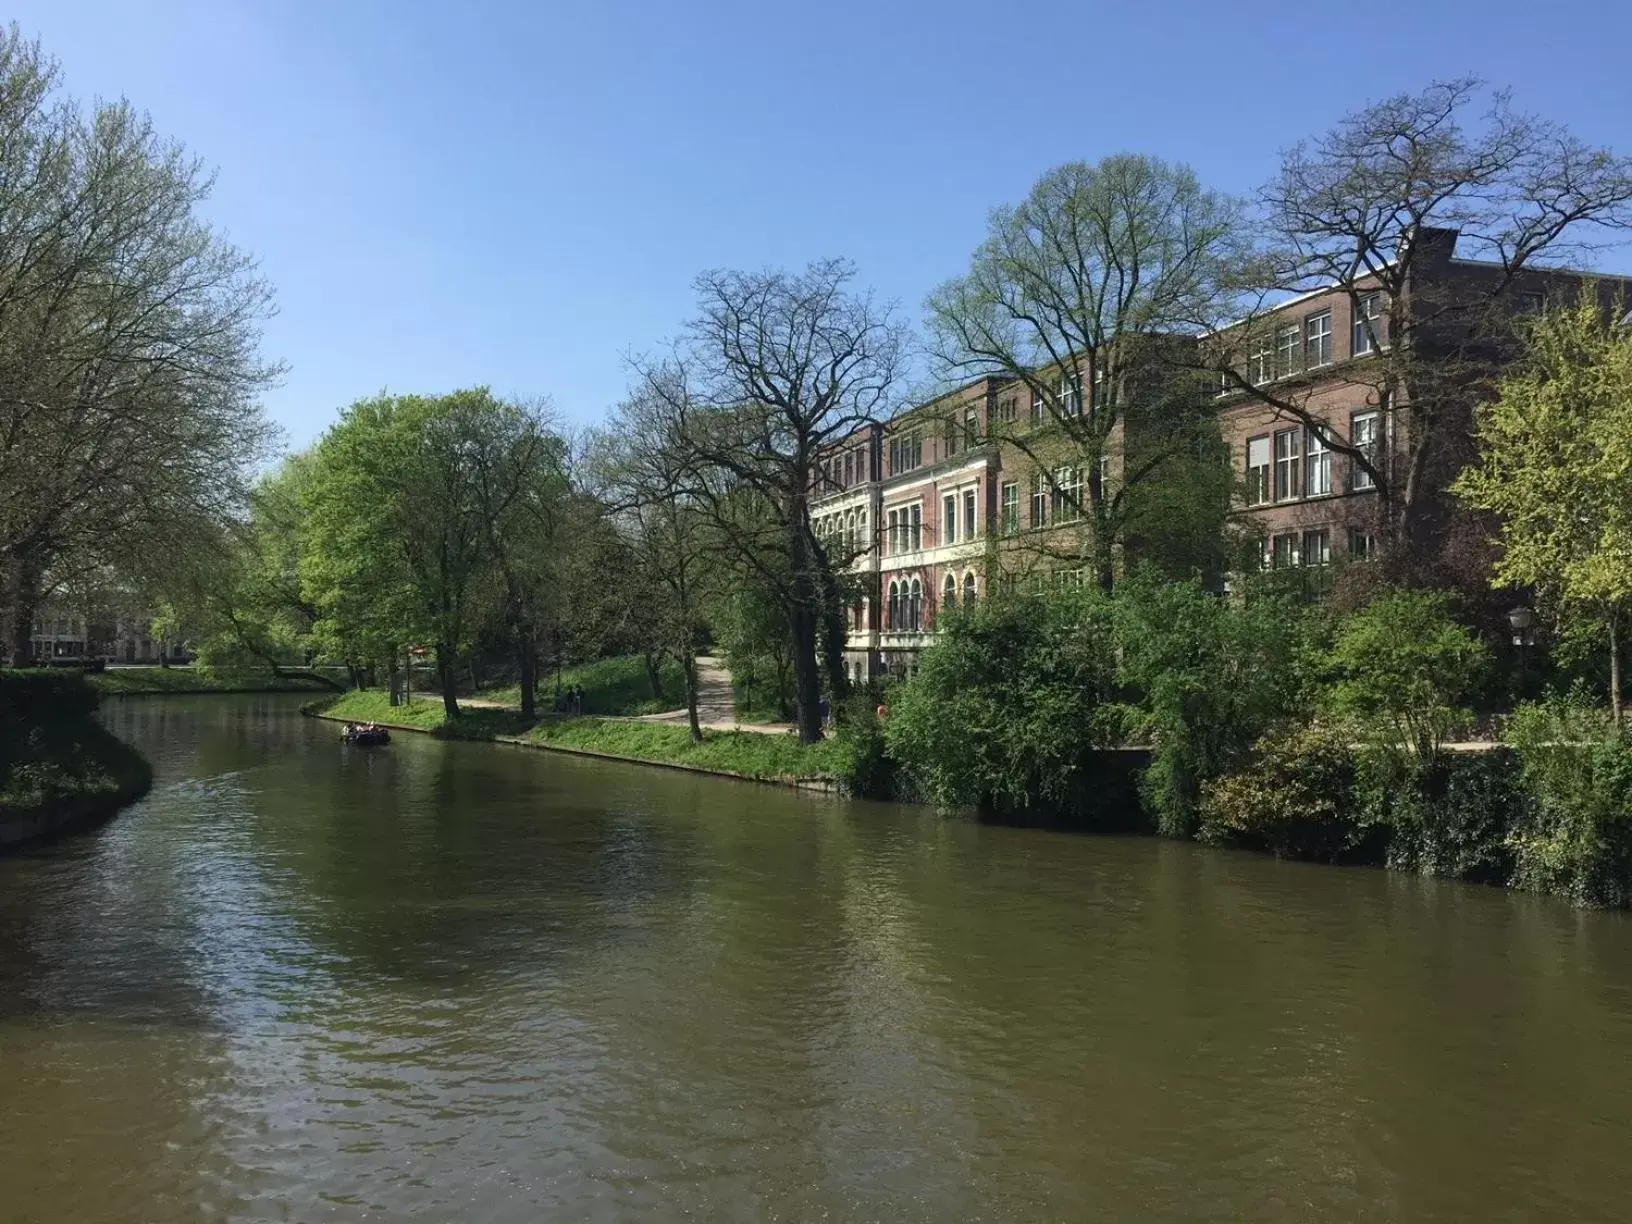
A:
366, 737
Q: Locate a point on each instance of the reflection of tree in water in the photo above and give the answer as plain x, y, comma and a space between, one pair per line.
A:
438, 862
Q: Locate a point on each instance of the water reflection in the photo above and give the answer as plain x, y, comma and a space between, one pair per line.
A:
457, 982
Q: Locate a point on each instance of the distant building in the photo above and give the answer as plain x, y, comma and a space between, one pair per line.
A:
63, 633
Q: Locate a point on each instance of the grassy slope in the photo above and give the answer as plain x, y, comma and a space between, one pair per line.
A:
611, 686
744, 752
150, 681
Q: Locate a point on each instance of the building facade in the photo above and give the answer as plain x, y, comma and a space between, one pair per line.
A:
953, 496
1329, 352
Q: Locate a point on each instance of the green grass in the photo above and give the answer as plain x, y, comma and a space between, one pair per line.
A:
152, 681
745, 752
617, 686
424, 713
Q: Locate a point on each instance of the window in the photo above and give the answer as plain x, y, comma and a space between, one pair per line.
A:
1318, 465
1039, 408
1104, 472
1261, 361
906, 452
895, 531
1286, 351
1067, 494
849, 475
1362, 544
1363, 436
1101, 391
915, 606
1258, 470
1368, 324
1071, 395
893, 617
969, 589
1009, 512
1070, 579
1288, 456
1317, 548
1284, 553
1008, 409
915, 527
1532, 302
949, 439
971, 426
1317, 331
949, 592
970, 514
1039, 499
949, 519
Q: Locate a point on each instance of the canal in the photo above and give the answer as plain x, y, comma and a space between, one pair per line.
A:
461, 982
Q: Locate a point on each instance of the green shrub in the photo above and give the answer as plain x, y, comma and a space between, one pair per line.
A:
1008, 702
40, 694
1402, 670
1575, 837
1450, 820
872, 772
1209, 677
1294, 797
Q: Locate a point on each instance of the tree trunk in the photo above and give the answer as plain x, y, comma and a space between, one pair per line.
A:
527, 671
22, 590
654, 673
688, 667
807, 682
356, 675
446, 658
1615, 669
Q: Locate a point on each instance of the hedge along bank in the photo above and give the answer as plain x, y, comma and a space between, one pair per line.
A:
60, 769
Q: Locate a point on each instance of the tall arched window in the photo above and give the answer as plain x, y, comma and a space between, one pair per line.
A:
915, 606
893, 613
949, 593
969, 589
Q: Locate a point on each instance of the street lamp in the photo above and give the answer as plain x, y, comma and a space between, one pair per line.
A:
1522, 620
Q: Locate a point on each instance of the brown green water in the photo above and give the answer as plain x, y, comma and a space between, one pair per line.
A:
469, 983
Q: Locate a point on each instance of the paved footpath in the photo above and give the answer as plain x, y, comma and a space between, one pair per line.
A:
716, 706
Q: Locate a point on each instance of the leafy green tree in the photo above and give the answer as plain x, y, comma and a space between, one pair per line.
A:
1077, 293
1402, 669
398, 540
1208, 676
241, 599
1008, 701
1555, 462
129, 337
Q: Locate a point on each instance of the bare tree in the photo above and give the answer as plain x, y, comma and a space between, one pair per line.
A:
128, 342
1368, 209
775, 368
1080, 294
644, 473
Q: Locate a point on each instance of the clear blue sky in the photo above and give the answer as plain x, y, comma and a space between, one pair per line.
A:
519, 193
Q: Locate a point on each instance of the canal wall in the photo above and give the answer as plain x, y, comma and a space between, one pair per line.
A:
61, 771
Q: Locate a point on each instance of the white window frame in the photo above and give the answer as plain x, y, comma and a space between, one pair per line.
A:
1364, 340
1261, 476
1317, 465
1359, 478
1008, 509
1288, 466
1317, 340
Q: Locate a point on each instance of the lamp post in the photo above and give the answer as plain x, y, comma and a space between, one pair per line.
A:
1522, 620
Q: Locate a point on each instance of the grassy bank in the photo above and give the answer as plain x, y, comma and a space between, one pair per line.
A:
59, 767
741, 752
157, 681
617, 686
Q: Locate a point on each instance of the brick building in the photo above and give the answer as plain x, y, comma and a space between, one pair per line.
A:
959, 493
1329, 354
